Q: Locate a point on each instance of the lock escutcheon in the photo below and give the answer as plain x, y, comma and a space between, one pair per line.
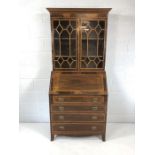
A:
95, 99
60, 99
61, 127
61, 108
94, 108
93, 127
61, 117
94, 117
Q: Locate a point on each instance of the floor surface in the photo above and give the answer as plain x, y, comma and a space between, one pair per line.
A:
35, 140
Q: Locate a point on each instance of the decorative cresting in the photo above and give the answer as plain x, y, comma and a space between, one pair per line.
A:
92, 43
65, 45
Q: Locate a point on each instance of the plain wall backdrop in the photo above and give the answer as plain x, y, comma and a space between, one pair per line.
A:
35, 57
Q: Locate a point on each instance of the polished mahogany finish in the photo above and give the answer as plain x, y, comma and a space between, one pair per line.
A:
78, 89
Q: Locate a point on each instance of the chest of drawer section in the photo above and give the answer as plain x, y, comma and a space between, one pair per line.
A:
78, 109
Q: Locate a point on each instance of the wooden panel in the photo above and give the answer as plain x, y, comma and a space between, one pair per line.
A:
78, 107
78, 128
78, 117
75, 99
79, 83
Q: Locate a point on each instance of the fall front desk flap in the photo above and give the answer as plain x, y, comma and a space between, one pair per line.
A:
78, 83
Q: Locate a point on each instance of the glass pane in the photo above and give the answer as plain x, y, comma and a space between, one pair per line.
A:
56, 34
65, 58
57, 65
101, 34
60, 60
73, 34
65, 47
93, 24
74, 58
86, 60
64, 34
83, 65
84, 35
100, 65
98, 29
59, 29
102, 24
84, 47
94, 30
92, 34
100, 47
56, 58
55, 23
56, 46
92, 47
64, 23
70, 29
65, 64
73, 47
73, 23
92, 65
73, 65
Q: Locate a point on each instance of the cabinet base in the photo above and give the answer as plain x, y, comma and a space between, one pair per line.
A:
103, 137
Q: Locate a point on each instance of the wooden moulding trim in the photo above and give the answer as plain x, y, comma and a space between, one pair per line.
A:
80, 10
81, 123
77, 93
76, 133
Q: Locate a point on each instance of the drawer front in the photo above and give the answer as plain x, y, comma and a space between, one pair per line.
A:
68, 99
78, 128
78, 107
78, 117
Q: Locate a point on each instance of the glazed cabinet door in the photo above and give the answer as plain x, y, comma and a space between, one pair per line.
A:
92, 43
64, 44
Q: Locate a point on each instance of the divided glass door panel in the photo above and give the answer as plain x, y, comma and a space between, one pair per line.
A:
65, 43
92, 44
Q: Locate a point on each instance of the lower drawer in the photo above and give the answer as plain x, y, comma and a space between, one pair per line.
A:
78, 117
75, 99
78, 107
78, 128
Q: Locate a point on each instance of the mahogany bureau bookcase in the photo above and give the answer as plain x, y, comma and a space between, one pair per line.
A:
78, 90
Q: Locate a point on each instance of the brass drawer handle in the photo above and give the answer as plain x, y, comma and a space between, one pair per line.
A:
61, 127
61, 117
93, 127
94, 108
95, 99
94, 117
60, 99
61, 108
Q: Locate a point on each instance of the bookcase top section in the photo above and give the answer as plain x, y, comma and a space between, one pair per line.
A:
78, 83
80, 10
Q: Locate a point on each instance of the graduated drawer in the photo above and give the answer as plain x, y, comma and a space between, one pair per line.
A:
78, 128
77, 107
78, 117
68, 99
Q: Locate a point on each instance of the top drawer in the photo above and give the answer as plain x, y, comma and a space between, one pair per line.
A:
94, 99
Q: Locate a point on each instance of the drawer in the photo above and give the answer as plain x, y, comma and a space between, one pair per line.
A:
78, 128
94, 99
78, 117
77, 107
